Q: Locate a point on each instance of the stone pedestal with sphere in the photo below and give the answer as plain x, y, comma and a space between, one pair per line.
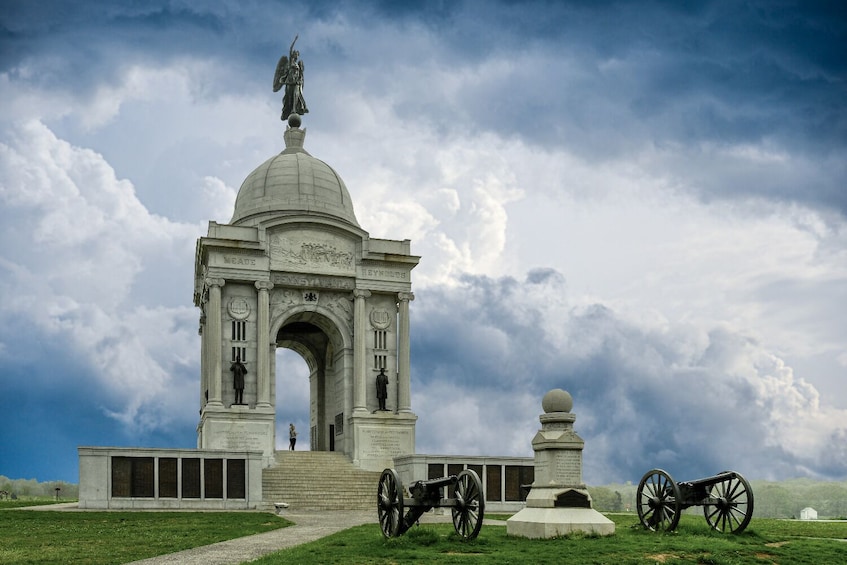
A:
558, 503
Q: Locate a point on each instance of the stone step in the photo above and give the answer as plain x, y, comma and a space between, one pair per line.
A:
318, 480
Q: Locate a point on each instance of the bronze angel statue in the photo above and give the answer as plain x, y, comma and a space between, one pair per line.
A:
289, 73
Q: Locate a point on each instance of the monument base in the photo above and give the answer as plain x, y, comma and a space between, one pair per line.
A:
545, 523
378, 437
238, 427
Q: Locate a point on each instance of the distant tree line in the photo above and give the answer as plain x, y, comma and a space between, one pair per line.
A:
783, 499
31, 488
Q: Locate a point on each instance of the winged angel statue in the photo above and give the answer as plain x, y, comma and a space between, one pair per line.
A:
289, 73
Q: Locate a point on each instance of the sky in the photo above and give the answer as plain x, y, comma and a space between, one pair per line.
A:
643, 203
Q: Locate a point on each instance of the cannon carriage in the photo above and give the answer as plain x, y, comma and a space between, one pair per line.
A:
467, 503
726, 498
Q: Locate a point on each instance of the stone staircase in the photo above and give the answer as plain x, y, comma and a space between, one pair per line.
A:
318, 480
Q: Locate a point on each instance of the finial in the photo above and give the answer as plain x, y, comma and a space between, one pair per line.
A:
557, 400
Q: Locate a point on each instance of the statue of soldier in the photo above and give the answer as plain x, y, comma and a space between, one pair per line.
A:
238, 371
382, 389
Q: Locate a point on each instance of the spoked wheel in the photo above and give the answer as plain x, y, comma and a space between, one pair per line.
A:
470, 504
658, 501
389, 503
730, 505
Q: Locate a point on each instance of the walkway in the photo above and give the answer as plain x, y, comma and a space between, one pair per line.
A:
308, 526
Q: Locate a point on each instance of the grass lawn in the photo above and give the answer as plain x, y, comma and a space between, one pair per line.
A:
118, 537
764, 542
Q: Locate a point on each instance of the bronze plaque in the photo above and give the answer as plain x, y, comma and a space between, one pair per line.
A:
434, 471
121, 477
133, 477
235, 479
513, 483
167, 477
190, 478
213, 478
493, 477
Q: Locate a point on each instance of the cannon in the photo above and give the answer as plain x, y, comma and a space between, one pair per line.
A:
726, 498
467, 504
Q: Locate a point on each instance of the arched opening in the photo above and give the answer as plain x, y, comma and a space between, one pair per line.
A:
311, 396
292, 398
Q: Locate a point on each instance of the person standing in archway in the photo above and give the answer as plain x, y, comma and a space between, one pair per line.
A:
292, 437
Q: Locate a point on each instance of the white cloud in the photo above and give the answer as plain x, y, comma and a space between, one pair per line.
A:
78, 239
677, 396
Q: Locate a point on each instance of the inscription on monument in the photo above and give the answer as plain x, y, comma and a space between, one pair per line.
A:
567, 471
384, 274
285, 279
559, 471
233, 260
236, 260
383, 443
242, 439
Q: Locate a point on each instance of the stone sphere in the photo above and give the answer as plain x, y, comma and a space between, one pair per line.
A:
557, 400
294, 120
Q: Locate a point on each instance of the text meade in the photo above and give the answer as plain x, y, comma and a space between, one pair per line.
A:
239, 260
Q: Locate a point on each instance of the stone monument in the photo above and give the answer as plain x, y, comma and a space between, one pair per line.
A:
294, 269
558, 502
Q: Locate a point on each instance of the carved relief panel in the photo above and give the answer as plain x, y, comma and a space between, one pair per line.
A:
312, 251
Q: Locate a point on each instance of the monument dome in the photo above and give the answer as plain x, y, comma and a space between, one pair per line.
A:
293, 182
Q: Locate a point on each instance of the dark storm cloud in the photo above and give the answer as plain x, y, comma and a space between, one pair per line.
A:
718, 71
644, 397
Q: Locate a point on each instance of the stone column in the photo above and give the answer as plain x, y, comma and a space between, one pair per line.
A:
213, 345
404, 362
204, 376
360, 402
263, 376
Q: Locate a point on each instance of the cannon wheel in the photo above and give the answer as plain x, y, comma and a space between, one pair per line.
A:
734, 508
658, 501
470, 504
389, 503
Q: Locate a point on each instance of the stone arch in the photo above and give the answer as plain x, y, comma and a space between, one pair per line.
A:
323, 341
306, 313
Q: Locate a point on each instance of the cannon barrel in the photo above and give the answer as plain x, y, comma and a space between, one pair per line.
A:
436, 483
430, 490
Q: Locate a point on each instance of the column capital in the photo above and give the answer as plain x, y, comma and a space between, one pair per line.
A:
361, 293
405, 296
211, 281
263, 285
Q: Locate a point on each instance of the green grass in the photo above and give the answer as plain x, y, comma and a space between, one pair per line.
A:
118, 537
765, 541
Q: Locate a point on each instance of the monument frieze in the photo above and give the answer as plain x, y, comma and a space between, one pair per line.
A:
312, 281
312, 251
